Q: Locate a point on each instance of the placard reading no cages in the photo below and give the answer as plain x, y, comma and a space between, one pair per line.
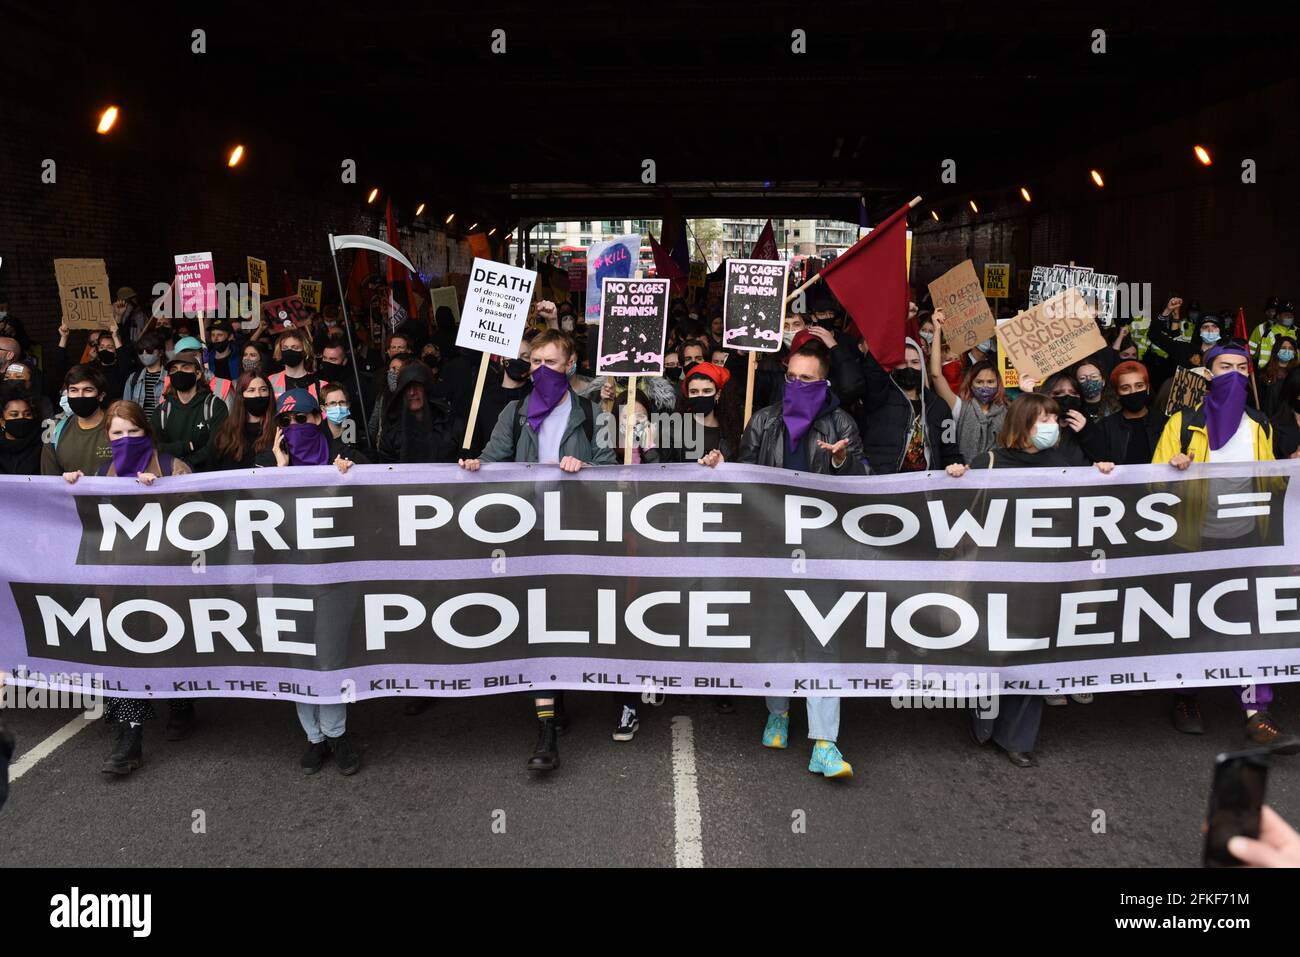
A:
753, 304
633, 327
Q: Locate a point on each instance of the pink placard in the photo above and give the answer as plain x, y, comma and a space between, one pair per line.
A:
195, 277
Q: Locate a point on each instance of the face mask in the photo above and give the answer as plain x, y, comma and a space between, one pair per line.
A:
907, 378
566, 324
1069, 403
63, 404
149, 359
184, 381
257, 404
688, 367
701, 404
1134, 401
392, 380
338, 414
787, 337
84, 405
928, 337
131, 454
4, 313
331, 371
1288, 321
21, 428
291, 357
517, 369
984, 393
673, 373
985, 346
106, 358
251, 365
1210, 337
1046, 434
1091, 388
1285, 355
221, 348
573, 367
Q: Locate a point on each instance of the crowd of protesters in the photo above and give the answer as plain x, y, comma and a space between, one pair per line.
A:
150, 399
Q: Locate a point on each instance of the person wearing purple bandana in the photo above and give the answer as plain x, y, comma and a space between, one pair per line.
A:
553, 424
135, 457
300, 440
1223, 428
806, 431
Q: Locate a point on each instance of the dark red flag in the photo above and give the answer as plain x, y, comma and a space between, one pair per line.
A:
870, 281
765, 248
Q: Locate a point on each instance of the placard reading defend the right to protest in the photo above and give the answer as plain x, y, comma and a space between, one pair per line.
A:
1052, 335
633, 326
496, 308
753, 304
967, 319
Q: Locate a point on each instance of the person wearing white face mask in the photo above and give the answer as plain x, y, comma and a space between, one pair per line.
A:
1264, 339
1028, 438
146, 385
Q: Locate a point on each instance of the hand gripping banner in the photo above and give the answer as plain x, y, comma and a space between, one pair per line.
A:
307, 585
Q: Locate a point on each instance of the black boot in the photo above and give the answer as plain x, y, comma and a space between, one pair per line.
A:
180, 721
129, 753
546, 757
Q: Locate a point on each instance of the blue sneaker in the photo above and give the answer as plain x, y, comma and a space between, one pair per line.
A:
777, 732
826, 759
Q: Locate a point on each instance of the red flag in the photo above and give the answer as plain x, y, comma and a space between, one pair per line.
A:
870, 281
765, 248
1239, 330
288, 284
399, 277
361, 268
667, 268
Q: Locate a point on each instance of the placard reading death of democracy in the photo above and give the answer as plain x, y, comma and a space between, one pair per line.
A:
496, 308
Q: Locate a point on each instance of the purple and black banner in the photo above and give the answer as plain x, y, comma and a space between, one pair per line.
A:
307, 585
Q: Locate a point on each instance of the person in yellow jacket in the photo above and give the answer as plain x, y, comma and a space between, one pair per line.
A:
1222, 429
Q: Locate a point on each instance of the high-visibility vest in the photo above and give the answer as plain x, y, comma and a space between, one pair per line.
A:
278, 386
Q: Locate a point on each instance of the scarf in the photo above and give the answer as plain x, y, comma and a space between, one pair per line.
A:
799, 408
549, 387
977, 430
1224, 405
131, 455
307, 444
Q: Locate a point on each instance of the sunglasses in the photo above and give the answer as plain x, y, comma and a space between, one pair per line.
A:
296, 417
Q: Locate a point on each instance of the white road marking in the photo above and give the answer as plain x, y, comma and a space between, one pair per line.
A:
47, 747
687, 825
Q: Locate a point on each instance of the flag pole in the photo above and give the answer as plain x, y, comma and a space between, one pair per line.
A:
916, 201
352, 352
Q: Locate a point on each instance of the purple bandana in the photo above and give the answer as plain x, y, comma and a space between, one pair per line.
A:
1224, 404
131, 454
307, 444
799, 408
549, 388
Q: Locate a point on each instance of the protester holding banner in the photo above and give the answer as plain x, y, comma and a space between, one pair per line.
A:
20, 433
806, 431
418, 425
293, 352
248, 430
512, 384
1028, 439
903, 425
1286, 421
979, 405
1081, 441
1130, 435
78, 443
1223, 428
190, 413
553, 425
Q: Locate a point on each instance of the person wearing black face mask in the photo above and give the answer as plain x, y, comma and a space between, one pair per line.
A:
20, 435
1286, 421
1081, 440
1131, 434
248, 430
190, 413
79, 444
107, 354
223, 358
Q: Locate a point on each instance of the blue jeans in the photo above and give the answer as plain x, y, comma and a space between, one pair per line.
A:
322, 721
823, 716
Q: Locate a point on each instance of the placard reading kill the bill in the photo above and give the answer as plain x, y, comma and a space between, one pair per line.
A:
496, 308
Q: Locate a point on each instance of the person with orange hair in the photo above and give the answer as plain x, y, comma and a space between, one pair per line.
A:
1131, 436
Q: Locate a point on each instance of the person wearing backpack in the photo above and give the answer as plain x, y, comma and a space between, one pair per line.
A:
78, 444
553, 425
190, 413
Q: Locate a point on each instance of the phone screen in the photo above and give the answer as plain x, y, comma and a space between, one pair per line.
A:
1235, 800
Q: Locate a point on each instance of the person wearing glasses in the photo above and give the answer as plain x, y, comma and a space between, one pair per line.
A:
300, 439
806, 431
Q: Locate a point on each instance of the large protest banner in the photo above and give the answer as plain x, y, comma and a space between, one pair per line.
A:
1051, 335
968, 320
753, 304
616, 259
285, 313
83, 293
303, 584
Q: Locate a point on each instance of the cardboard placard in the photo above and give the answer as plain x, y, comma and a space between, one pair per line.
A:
1010, 377
1051, 336
616, 259
997, 280
83, 294
284, 313
310, 291
496, 308
257, 276
1100, 289
1187, 390
968, 320
633, 326
194, 280
753, 304
445, 296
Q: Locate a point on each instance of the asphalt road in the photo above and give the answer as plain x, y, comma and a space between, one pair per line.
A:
433, 786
